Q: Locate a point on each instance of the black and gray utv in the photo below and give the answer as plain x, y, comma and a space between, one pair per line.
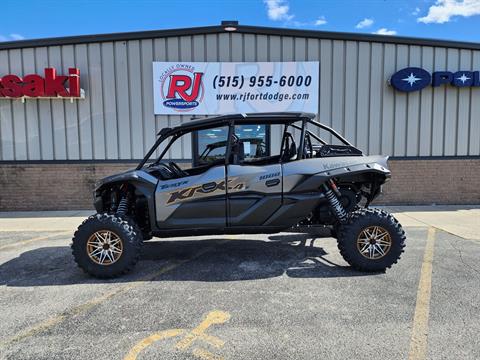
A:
241, 184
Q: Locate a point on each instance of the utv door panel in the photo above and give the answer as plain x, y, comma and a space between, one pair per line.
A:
254, 193
197, 201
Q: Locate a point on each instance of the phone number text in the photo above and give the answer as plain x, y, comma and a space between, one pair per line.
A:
239, 81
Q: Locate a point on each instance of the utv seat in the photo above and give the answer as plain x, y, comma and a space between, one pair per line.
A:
238, 152
289, 146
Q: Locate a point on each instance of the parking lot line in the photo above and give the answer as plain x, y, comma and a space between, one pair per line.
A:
418, 341
55, 320
137, 349
39, 238
215, 317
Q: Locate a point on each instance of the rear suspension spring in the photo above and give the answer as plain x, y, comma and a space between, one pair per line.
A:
335, 204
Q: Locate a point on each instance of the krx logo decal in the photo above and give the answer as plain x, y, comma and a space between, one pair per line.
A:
192, 192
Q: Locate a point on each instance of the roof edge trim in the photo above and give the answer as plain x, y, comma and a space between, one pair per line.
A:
242, 29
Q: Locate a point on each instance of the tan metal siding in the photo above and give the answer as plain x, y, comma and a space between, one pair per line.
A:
388, 104
116, 120
375, 94
474, 126
18, 111
464, 98
109, 100
413, 109
426, 106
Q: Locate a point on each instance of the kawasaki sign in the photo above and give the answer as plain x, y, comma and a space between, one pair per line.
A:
48, 86
414, 78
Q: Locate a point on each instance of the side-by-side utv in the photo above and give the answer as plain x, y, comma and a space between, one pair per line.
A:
239, 185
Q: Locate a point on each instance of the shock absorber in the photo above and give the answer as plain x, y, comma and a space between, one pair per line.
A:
335, 204
122, 208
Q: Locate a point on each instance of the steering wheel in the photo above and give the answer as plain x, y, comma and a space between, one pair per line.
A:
176, 169
165, 171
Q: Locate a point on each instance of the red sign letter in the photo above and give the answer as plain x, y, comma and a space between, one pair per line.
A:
12, 86
74, 82
181, 83
54, 85
34, 86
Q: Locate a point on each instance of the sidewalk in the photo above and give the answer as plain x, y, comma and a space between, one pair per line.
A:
460, 220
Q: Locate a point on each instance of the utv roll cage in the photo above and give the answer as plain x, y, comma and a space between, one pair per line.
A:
280, 118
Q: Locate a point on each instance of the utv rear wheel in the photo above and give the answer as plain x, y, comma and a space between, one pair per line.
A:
106, 245
371, 240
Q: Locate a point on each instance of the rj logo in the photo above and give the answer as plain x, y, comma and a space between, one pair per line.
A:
180, 84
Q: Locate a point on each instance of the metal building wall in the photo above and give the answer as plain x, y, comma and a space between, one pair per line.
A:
116, 121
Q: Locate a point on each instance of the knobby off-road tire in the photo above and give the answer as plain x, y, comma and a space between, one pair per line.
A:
356, 237
121, 239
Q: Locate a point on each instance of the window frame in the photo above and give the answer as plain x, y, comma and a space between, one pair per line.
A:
231, 125
194, 135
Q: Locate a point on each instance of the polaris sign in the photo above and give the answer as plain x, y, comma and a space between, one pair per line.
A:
414, 79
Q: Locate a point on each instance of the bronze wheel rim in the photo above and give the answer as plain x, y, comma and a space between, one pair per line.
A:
104, 247
374, 242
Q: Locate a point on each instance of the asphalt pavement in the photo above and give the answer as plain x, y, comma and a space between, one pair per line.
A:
282, 296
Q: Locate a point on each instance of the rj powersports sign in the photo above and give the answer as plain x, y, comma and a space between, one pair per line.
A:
413, 79
49, 86
228, 87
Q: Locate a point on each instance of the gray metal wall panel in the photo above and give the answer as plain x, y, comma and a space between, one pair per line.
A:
325, 91
363, 101
6, 124
413, 109
84, 109
159, 54
96, 104
351, 76
18, 111
71, 109
451, 108
400, 119
123, 100
338, 85
426, 105
135, 93
31, 110
439, 98
377, 83
474, 128
148, 117
57, 109
388, 104
109, 100
116, 120
464, 96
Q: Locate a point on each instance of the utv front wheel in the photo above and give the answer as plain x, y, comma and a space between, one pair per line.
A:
371, 240
106, 245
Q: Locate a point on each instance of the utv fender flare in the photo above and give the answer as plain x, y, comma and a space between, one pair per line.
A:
143, 183
316, 180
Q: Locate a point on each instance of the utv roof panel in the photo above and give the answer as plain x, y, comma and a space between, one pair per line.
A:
260, 118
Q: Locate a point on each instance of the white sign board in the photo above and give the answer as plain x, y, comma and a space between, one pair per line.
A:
207, 88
